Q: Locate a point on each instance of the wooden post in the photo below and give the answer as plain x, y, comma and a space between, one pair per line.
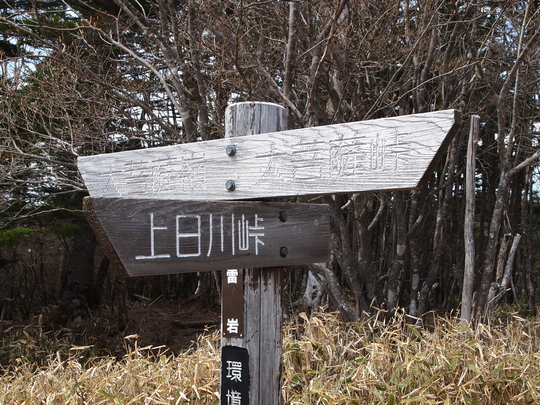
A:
468, 273
261, 332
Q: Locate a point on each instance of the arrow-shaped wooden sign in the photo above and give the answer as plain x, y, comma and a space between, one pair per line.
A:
145, 237
384, 154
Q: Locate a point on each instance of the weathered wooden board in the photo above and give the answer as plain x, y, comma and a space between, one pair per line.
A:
145, 237
383, 154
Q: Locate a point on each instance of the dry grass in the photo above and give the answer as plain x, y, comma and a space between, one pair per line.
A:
331, 363
377, 363
146, 375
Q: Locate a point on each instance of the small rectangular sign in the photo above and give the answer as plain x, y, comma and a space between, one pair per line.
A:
235, 378
145, 237
232, 304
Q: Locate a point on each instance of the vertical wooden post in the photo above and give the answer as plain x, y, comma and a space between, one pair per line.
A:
263, 288
468, 231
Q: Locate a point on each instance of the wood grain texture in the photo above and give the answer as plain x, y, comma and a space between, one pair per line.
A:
271, 335
151, 237
263, 287
383, 154
263, 324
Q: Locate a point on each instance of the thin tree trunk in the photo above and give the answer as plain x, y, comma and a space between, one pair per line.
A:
80, 292
439, 238
494, 288
319, 54
491, 251
415, 254
526, 214
289, 53
363, 204
501, 261
497, 291
398, 265
341, 244
201, 85
331, 286
507, 276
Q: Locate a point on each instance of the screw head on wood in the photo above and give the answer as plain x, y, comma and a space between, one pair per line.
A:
283, 251
230, 150
230, 186
283, 216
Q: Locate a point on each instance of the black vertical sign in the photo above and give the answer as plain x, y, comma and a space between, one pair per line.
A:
234, 376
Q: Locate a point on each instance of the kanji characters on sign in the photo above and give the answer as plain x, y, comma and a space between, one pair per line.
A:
235, 377
222, 233
234, 397
234, 370
232, 276
232, 325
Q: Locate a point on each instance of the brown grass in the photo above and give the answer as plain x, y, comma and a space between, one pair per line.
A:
378, 363
331, 362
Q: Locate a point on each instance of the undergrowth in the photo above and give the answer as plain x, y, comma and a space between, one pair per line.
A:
326, 361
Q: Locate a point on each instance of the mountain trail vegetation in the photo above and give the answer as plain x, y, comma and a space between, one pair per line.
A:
325, 361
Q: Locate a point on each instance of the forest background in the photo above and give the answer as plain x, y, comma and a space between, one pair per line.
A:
85, 77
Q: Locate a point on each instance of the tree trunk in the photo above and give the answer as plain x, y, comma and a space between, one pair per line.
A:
497, 291
416, 243
491, 251
289, 53
367, 272
439, 238
527, 209
200, 94
80, 293
341, 245
336, 293
401, 247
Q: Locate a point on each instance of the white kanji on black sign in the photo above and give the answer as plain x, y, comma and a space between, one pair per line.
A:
234, 370
232, 276
234, 375
234, 397
232, 325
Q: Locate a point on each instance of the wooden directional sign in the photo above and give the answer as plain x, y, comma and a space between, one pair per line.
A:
384, 154
145, 237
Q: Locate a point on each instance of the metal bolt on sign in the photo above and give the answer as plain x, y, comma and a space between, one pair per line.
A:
230, 185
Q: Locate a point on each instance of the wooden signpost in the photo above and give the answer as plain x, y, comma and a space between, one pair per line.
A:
147, 237
163, 210
260, 334
383, 154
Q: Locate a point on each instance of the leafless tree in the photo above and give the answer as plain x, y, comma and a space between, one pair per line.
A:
128, 74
